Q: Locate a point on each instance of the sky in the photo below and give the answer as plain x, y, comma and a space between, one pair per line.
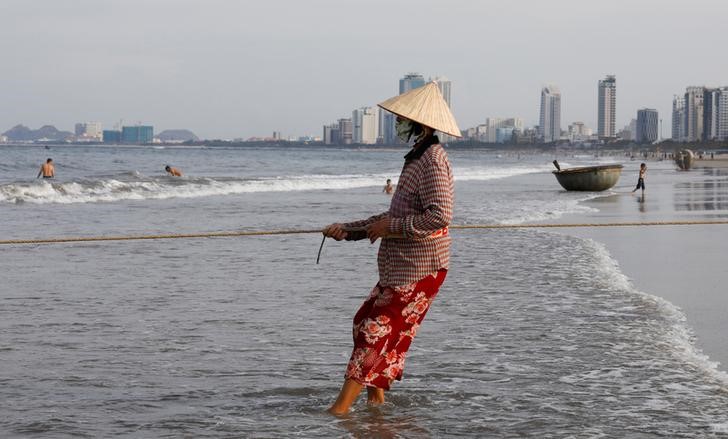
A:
238, 68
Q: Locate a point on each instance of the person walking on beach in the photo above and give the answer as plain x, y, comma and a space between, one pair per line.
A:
47, 170
388, 188
641, 179
174, 172
414, 252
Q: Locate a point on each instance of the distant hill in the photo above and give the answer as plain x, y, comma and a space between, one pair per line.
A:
177, 136
23, 133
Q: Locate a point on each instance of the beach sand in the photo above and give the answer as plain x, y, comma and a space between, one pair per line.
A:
714, 163
683, 264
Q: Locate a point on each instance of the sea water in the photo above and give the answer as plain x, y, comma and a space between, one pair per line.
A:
533, 334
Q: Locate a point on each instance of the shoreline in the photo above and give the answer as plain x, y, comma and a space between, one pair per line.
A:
680, 264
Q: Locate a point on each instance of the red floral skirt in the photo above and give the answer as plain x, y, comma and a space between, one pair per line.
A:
384, 328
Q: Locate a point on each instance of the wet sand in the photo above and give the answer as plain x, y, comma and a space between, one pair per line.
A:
714, 163
685, 265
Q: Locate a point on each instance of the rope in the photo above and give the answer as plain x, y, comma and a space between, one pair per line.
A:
311, 231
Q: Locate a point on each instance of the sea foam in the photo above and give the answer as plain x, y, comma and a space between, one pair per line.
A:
134, 186
678, 335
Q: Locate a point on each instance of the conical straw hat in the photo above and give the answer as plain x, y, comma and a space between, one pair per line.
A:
424, 105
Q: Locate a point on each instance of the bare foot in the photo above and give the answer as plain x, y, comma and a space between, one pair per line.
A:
375, 396
349, 392
337, 411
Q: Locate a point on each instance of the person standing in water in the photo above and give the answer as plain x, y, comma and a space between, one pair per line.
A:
414, 252
388, 188
174, 172
641, 179
47, 170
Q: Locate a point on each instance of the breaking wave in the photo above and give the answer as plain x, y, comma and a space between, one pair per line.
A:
134, 186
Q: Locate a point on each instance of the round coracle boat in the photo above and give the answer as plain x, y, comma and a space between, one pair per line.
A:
684, 159
589, 178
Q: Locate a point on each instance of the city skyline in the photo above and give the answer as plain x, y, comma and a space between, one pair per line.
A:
228, 70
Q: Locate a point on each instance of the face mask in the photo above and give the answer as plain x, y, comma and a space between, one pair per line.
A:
404, 129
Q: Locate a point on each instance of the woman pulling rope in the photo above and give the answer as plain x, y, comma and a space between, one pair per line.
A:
414, 252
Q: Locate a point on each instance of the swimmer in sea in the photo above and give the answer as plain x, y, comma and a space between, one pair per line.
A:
47, 170
388, 188
174, 172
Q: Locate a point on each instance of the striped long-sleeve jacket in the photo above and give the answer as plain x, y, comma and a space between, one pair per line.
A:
420, 212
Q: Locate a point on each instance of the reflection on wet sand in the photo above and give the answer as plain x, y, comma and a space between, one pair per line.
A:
711, 194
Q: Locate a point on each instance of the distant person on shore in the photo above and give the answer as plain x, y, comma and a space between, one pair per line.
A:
641, 179
174, 172
388, 188
47, 170
414, 252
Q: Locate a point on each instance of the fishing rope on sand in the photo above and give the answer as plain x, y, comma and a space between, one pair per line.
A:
232, 234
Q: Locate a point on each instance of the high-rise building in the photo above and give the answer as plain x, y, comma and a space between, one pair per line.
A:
491, 126
550, 119
365, 125
356, 121
711, 113
723, 114
328, 137
694, 114
488, 132
89, 130
411, 81
515, 122
111, 136
503, 134
345, 131
578, 132
607, 107
629, 131
139, 134
678, 118
387, 133
647, 125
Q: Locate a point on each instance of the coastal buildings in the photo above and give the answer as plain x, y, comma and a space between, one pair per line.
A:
89, 131
138, 134
723, 114
111, 136
629, 132
489, 131
328, 137
365, 125
693, 114
503, 135
700, 115
711, 113
579, 132
647, 125
678, 118
345, 132
370, 125
606, 117
387, 133
411, 81
550, 118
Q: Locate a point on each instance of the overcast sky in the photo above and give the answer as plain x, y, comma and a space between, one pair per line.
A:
236, 68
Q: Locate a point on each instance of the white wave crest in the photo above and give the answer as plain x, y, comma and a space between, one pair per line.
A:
134, 186
470, 174
537, 210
